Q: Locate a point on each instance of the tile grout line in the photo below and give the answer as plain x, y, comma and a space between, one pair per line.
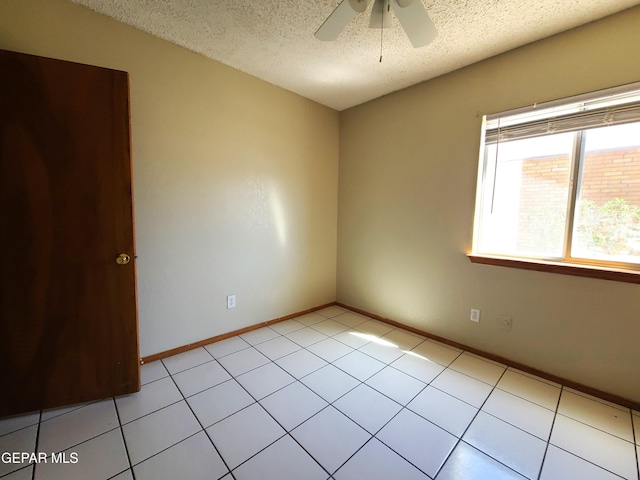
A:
517, 427
403, 407
124, 441
185, 370
146, 415
109, 430
636, 442
533, 377
588, 461
189, 368
329, 404
525, 399
161, 451
487, 413
203, 430
150, 413
469, 426
18, 429
234, 378
362, 446
459, 439
596, 428
302, 446
75, 408
553, 422
378, 431
35, 446
494, 387
39, 424
599, 400
256, 401
548, 441
196, 417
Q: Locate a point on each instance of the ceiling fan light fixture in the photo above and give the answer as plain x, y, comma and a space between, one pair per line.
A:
359, 6
410, 13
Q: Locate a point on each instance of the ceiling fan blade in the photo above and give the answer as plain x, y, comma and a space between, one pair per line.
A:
340, 18
415, 21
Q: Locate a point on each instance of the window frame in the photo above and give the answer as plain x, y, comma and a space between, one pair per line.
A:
568, 264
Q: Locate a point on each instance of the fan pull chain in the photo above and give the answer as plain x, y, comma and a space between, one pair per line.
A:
382, 28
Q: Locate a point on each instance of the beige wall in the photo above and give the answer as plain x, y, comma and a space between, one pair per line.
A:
235, 180
408, 166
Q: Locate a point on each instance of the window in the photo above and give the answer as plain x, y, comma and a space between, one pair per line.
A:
560, 182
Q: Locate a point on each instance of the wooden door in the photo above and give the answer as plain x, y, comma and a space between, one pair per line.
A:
68, 321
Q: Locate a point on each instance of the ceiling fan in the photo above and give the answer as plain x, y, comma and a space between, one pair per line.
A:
411, 14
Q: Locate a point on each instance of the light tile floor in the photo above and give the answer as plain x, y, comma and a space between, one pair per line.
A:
331, 395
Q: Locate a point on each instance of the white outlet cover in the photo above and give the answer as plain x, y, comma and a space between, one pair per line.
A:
231, 301
475, 315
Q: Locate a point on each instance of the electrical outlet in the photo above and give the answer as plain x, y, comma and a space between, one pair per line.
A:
475, 315
231, 301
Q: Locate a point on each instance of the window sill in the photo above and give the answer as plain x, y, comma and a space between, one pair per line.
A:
618, 275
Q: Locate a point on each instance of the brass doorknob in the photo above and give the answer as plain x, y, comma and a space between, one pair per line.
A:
123, 259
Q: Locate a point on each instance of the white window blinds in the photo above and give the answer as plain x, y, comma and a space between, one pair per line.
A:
598, 109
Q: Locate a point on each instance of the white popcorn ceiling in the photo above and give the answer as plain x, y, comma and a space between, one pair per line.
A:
273, 40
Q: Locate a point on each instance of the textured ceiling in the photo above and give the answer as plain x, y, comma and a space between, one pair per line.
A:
273, 40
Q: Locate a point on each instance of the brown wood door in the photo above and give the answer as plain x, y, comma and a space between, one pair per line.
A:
68, 321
